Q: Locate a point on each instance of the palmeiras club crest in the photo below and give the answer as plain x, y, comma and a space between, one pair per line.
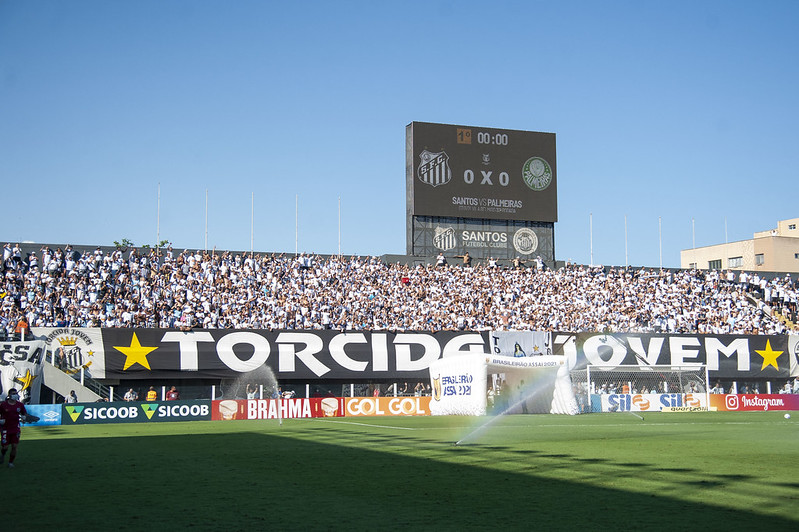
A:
444, 238
434, 168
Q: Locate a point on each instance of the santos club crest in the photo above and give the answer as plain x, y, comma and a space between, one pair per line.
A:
444, 238
434, 168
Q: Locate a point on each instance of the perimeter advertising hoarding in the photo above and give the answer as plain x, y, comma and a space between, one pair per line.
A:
647, 402
387, 406
482, 173
135, 412
753, 402
48, 414
315, 407
238, 409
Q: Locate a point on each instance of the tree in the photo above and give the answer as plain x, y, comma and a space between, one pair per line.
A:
123, 245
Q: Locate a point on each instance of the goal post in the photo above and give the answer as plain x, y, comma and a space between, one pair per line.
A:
641, 388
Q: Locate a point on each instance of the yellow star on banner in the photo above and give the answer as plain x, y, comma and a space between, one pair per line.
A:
769, 356
135, 353
26, 380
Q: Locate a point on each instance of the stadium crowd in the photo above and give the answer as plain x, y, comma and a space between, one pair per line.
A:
93, 288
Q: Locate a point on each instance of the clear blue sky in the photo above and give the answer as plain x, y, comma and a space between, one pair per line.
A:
675, 110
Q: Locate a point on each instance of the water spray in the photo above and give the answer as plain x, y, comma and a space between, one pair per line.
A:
530, 392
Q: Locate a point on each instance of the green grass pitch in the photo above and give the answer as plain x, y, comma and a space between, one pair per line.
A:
669, 471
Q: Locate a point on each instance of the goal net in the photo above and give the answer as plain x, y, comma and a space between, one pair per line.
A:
640, 388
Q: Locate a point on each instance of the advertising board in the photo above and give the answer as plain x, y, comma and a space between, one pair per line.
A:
646, 402
753, 402
238, 409
387, 406
135, 412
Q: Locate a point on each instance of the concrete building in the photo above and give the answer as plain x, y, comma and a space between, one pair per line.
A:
776, 250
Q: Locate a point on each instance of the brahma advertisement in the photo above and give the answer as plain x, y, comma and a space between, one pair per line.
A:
319, 407
232, 409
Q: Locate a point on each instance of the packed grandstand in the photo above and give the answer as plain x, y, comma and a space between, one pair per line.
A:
128, 288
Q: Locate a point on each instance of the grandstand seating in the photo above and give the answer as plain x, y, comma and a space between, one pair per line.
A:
115, 288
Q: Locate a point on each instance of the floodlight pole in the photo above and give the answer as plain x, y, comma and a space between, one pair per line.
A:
726, 241
296, 223
626, 256
591, 236
158, 221
660, 240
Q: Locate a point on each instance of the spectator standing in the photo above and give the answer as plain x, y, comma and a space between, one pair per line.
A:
252, 391
22, 329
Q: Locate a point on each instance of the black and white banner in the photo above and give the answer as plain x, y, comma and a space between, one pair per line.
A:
726, 356
359, 355
307, 355
21, 368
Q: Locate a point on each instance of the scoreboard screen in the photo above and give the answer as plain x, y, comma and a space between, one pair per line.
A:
481, 173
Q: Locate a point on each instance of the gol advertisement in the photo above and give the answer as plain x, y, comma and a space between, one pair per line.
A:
753, 402
387, 406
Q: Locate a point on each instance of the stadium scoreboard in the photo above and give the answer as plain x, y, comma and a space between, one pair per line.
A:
492, 192
471, 172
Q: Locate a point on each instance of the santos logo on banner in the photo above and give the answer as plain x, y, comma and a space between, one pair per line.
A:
74, 349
